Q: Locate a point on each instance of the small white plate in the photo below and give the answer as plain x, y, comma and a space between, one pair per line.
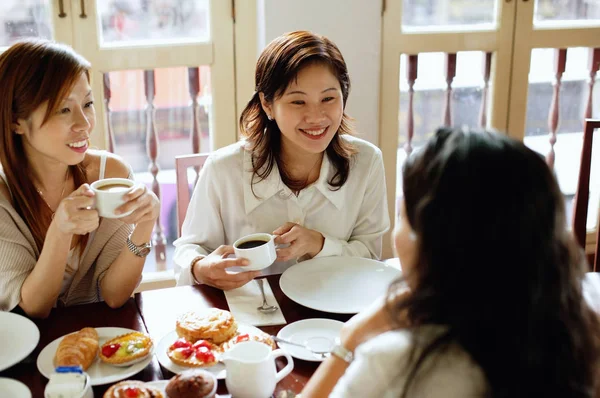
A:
316, 333
13, 389
342, 285
100, 372
19, 337
218, 369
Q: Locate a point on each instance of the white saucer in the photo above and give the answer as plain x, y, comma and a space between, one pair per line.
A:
19, 335
13, 388
318, 334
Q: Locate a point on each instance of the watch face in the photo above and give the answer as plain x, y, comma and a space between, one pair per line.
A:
144, 251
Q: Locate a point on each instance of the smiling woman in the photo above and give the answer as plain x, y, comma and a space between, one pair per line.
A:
299, 173
55, 247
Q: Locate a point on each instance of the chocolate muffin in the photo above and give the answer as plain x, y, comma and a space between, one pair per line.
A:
194, 383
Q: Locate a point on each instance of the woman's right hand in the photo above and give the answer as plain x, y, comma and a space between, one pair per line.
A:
211, 270
74, 215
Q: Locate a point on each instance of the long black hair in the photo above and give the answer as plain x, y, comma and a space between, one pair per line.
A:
497, 266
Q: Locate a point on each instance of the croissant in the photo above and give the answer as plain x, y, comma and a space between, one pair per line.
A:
78, 348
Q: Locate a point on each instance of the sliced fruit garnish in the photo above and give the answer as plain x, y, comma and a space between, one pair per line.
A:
109, 350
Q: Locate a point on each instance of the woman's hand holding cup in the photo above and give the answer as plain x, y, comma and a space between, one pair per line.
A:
141, 204
75, 215
212, 269
302, 241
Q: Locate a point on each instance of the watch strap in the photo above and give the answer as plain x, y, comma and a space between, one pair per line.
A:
342, 352
194, 261
139, 250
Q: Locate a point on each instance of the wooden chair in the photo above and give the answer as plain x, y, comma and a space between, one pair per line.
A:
580, 209
182, 164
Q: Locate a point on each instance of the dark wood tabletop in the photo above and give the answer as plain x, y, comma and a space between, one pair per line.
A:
66, 320
160, 308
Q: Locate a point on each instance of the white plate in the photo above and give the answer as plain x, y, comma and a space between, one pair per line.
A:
343, 285
13, 389
317, 334
100, 372
19, 336
218, 369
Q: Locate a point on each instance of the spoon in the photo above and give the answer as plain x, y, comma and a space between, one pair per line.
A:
265, 308
318, 353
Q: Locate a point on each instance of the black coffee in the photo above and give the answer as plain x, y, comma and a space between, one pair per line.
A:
251, 243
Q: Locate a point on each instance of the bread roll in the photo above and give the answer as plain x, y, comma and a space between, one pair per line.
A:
79, 348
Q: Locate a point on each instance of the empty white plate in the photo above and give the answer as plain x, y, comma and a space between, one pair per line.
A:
343, 285
13, 389
19, 337
316, 333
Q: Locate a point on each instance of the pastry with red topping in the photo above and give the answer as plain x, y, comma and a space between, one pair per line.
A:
133, 389
198, 354
126, 349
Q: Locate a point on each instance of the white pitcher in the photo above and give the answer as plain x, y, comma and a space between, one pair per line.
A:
251, 371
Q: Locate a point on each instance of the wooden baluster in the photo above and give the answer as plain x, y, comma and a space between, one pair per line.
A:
487, 69
594, 65
109, 130
194, 90
158, 237
560, 62
450, 74
411, 76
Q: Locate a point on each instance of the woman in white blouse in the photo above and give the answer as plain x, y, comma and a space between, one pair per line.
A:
298, 173
495, 307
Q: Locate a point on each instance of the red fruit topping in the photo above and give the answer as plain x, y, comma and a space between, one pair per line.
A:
132, 392
181, 343
109, 350
205, 355
186, 352
242, 337
202, 343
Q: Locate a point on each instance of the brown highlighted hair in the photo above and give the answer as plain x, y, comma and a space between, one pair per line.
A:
277, 66
33, 72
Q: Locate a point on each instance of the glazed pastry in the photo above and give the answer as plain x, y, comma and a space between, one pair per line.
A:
238, 338
213, 324
198, 354
191, 384
126, 348
77, 348
132, 389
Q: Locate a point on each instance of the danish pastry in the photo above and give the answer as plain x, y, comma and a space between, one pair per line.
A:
238, 338
77, 348
212, 324
133, 389
198, 354
126, 348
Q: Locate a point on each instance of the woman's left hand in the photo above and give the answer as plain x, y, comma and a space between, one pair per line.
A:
302, 241
143, 202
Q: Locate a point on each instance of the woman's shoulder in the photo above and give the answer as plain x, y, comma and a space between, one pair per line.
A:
115, 166
229, 155
4, 191
364, 148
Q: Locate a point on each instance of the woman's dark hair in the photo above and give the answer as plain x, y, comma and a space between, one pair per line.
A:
497, 266
278, 66
33, 72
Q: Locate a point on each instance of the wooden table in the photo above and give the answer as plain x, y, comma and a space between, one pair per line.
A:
66, 320
160, 308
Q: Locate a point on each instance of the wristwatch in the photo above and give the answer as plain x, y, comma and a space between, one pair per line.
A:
142, 250
342, 352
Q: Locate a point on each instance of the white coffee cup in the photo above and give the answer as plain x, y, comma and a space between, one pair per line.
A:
109, 195
258, 249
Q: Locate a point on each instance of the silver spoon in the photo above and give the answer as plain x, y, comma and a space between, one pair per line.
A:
265, 308
317, 353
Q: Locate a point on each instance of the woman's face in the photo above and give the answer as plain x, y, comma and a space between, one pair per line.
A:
64, 138
405, 244
310, 110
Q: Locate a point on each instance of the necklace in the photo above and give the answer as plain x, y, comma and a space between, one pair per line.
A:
62, 193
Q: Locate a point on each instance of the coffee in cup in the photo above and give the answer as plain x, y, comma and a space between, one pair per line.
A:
258, 249
109, 196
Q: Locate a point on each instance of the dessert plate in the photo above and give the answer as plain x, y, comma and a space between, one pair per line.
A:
19, 338
100, 372
317, 334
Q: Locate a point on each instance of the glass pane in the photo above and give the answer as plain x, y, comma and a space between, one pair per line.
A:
174, 123
566, 10
430, 96
573, 100
126, 22
436, 13
24, 18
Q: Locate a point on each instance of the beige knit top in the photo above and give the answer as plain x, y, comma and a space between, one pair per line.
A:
19, 255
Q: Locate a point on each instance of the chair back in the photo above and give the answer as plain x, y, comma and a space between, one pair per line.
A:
580, 210
182, 164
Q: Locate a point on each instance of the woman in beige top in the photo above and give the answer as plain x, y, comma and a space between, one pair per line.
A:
54, 247
490, 304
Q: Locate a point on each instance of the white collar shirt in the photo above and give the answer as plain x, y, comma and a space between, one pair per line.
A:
225, 207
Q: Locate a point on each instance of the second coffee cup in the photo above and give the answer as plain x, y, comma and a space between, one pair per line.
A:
258, 249
109, 195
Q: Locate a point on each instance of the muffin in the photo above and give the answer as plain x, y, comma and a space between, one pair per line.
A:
192, 384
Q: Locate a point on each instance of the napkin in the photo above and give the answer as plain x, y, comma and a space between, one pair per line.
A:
244, 300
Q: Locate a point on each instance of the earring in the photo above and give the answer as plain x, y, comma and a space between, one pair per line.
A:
270, 118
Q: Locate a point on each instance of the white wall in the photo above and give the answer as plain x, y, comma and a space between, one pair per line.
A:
355, 26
